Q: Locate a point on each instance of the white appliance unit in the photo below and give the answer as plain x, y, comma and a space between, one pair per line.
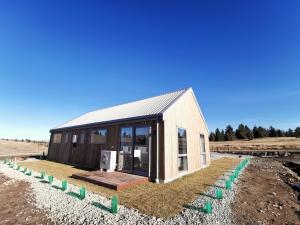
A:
108, 160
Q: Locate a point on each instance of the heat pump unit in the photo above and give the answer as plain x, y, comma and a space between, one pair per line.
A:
108, 160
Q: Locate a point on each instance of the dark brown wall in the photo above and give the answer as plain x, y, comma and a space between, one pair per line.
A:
87, 155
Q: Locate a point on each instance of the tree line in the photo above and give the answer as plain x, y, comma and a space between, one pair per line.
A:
244, 132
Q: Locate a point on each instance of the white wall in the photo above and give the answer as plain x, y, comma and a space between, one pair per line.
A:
184, 113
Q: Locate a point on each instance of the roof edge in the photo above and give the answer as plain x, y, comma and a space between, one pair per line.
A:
153, 116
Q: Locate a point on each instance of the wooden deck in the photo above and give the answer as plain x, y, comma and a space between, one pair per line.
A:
113, 180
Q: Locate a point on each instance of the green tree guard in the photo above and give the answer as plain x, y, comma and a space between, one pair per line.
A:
25, 170
18, 167
50, 179
228, 185
219, 193
64, 185
5, 161
231, 178
236, 174
29, 173
207, 207
82, 193
43, 174
114, 205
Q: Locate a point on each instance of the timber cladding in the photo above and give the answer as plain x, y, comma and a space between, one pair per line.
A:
85, 153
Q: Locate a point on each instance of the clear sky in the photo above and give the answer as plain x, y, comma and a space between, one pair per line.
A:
59, 59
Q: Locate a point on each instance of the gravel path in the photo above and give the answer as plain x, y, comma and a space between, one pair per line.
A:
65, 209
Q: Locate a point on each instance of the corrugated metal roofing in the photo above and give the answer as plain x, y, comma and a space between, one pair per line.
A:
146, 107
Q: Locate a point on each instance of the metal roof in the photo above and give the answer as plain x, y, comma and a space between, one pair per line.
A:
147, 107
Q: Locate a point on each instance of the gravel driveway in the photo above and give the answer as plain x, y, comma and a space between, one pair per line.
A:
94, 209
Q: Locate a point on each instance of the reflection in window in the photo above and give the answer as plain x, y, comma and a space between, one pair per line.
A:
141, 136
66, 138
98, 136
82, 136
182, 150
57, 138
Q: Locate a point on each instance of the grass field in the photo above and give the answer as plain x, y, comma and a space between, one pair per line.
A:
279, 143
160, 200
19, 148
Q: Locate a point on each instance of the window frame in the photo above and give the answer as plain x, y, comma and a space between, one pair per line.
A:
184, 154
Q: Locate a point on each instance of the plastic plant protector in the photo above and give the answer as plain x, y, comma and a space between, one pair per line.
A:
82, 193
207, 207
219, 193
228, 185
114, 205
64, 185
50, 179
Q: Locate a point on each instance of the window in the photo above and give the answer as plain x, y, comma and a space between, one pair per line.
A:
56, 138
74, 140
82, 136
98, 136
202, 150
66, 138
141, 136
182, 150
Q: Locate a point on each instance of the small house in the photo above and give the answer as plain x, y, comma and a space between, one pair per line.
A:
162, 137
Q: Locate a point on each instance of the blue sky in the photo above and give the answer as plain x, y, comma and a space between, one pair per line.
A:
59, 59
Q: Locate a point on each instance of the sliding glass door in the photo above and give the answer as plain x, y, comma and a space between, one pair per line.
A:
134, 150
125, 156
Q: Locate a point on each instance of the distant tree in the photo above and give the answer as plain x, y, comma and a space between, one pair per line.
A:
280, 133
218, 135
222, 135
290, 133
262, 132
240, 132
297, 132
212, 136
249, 133
272, 132
229, 134
255, 132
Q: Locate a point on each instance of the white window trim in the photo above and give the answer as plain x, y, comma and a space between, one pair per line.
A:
182, 155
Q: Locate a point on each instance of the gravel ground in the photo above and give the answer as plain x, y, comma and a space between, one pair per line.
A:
65, 209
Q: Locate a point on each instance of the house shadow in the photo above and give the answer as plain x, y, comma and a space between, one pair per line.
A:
100, 206
199, 209
75, 195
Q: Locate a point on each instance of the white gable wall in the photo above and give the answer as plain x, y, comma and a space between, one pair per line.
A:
184, 113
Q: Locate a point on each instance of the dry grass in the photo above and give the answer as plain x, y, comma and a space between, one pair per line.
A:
160, 200
280, 143
18, 148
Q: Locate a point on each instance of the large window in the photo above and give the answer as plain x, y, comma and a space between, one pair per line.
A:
182, 150
57, 138
99, 136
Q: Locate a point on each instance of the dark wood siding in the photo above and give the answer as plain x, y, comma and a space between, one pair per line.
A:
87, 155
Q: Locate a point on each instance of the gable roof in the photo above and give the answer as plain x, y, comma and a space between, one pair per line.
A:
153, 106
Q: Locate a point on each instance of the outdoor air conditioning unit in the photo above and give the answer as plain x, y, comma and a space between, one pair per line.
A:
108, 160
